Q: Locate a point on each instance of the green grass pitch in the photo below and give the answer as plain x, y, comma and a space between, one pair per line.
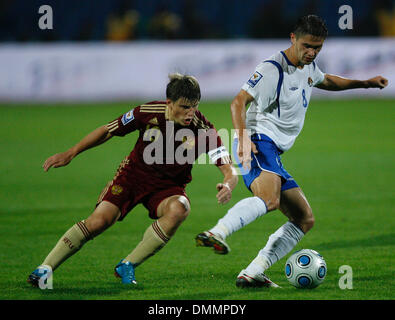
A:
344, 160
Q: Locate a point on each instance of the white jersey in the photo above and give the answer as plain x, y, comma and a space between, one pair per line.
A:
281, 95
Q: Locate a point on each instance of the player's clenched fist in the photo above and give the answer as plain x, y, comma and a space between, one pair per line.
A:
377, 82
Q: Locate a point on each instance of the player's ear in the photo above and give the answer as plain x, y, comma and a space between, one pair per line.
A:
293, 37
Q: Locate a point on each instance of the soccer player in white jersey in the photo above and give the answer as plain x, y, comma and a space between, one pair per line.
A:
278, 93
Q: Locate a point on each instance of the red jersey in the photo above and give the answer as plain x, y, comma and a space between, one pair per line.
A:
165, 150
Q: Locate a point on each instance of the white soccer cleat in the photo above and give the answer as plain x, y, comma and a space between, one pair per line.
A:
245, 280
209, 239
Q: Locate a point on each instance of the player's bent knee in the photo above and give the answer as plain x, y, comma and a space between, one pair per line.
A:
272, 203
102, 218
97, 225
179, 208
186, 205
308, 220
305, 224
309, 223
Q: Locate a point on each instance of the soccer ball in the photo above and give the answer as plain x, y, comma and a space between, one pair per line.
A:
305, 269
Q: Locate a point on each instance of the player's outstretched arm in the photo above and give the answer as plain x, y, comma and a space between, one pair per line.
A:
96, 137
229, 183
336, 83
238, 111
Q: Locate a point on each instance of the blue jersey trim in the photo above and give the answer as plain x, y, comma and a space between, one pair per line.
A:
280, 82
286, 58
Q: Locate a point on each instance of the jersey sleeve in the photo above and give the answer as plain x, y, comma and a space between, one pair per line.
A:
262, 85
318, 75
126, 123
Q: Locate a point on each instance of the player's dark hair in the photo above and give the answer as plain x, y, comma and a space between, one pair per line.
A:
183, 86
311, 24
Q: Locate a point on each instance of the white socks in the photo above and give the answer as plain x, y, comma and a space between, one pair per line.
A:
279, 244
241, 214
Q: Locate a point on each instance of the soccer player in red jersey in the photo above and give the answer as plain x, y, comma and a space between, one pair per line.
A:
172, 135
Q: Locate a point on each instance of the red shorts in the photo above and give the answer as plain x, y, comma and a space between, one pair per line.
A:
130, 188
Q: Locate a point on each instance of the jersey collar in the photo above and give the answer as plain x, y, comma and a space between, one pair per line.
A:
286, 59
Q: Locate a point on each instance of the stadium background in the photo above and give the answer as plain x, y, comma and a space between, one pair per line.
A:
186, 19
103, 57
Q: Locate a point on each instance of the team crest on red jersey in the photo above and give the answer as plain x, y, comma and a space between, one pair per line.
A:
116, 189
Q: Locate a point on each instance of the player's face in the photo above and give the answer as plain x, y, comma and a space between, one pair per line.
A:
182, 111
306, 47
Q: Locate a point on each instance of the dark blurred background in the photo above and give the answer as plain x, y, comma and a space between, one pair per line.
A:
125, 20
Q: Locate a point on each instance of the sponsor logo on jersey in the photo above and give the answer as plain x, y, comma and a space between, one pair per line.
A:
127, 117
154, 121
254, 79
293, 88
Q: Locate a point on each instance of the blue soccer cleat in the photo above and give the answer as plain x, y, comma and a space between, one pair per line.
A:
125, 271
36, 275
